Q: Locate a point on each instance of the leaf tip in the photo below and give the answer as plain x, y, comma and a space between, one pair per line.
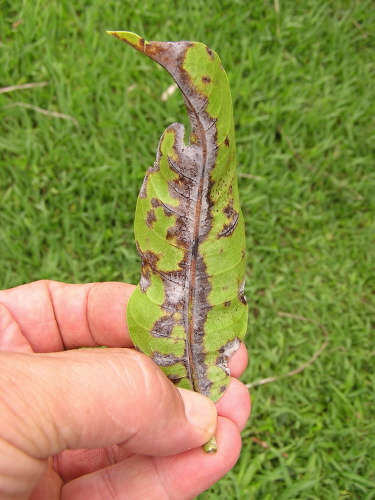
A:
130, 38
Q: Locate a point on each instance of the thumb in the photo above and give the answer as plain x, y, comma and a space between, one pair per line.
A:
96, 398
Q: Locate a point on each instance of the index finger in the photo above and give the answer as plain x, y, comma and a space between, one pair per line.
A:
49, 316
55, 316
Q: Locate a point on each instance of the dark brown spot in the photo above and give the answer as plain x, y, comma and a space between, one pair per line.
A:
206, 79
155, 202
175, 379
242, 298
194, 250
229, 228
222, 389
232, 216
229, 210
148, 267
210, 53
227, 303
151, 218
226, 141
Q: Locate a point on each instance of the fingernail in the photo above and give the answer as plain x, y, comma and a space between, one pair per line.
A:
199, 410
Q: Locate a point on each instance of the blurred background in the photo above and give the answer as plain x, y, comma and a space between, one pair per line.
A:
74, 150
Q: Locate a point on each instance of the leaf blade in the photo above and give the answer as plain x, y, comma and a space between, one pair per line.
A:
189, 311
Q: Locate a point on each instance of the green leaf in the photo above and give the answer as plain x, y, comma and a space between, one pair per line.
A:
189, 312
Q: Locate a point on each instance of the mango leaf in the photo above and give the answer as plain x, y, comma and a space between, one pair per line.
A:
189, 311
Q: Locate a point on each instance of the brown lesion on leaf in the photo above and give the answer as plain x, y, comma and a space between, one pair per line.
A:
210, 53
242, 298
194, 248
226, 141
148, 266
232, 216
241, 293
222, 389
155, 203
171, 233
179, 239
140, 45
163, 327
143, 191
206, 79
175, 379
165, 359
151, 218
227, 303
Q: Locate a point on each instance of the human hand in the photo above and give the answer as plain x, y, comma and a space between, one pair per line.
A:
101, 423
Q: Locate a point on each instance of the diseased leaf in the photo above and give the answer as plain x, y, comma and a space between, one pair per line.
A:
189, 312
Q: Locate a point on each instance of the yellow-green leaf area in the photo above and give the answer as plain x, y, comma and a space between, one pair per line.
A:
158, 182
185, 383
225, 165
177, 370
156, 291
168, 151
228, 249
219, 378
225, 284
154, 239
222, 221
142, 314
161, 345
141, 319
131, 38
218, 321
222, 333
209, 78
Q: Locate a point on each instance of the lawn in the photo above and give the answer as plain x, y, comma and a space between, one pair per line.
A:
302, 76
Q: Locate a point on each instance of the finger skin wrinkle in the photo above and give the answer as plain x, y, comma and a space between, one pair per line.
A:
108, 485
11, 338
87, 316
148, 384
114, 455
48, 287
160, 472
31, 307
70, 305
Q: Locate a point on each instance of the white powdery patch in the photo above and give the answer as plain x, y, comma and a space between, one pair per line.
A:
144, 283
227, 351
231, 347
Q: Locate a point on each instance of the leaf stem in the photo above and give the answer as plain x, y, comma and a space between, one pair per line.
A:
211, 446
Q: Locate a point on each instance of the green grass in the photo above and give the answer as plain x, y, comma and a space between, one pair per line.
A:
303, 89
